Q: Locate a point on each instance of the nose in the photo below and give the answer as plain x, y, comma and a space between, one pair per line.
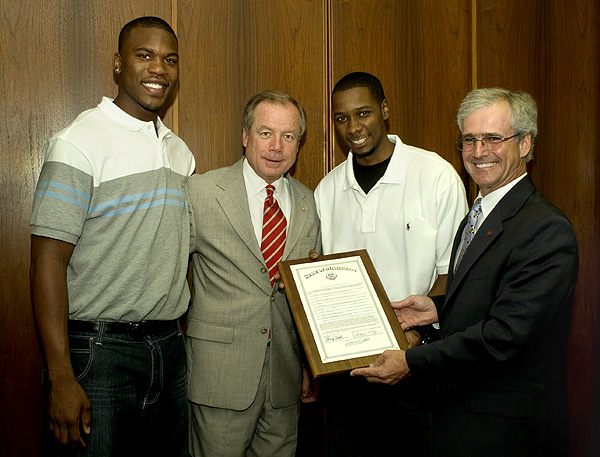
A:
157, 67
276, 143
353, 126
479, 150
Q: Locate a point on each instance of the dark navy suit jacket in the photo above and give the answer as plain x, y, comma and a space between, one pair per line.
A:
504, 321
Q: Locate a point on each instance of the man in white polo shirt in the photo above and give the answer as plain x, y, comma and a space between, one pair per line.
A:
402, 204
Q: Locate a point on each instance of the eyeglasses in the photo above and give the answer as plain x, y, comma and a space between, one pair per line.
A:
490, 142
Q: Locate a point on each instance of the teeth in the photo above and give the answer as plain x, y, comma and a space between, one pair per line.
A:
485, 165
359, 142
153, 85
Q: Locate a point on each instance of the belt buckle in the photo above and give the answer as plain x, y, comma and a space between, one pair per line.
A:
135, 327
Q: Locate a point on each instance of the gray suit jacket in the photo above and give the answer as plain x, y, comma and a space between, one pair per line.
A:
234, 307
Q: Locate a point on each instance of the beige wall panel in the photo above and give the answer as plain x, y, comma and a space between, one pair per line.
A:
235, 48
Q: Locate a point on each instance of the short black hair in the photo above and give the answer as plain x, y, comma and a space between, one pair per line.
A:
150, 22
361, 79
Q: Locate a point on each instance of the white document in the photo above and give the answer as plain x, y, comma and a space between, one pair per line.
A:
343, 309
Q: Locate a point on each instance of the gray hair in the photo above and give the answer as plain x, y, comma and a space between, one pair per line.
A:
521, 105
272, 96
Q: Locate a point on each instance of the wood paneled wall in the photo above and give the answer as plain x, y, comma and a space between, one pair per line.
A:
421, 53
56, 61
552, 50
234, 49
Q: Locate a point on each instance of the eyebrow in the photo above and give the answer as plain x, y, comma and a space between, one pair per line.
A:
485, 134
360, 108
270, 129
153, 51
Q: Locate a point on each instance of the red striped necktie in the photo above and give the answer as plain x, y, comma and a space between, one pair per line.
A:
273, 233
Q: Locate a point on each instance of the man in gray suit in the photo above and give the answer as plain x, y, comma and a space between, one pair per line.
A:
245, 374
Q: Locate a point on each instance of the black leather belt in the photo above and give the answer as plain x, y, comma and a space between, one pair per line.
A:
145, 327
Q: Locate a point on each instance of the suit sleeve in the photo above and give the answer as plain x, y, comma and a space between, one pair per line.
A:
188, 190
535, 278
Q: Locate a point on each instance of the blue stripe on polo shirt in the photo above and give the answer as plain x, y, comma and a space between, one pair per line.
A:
61, 186
43, 191
136, 197
104, 209
143, 206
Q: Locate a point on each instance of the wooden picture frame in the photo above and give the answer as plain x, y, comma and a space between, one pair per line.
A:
297, 306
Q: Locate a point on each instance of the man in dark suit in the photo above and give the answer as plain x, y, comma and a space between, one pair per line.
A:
504, 318
245, 373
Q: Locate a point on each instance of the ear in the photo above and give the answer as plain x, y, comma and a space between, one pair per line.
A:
385, 110
244, 138
525, 146
117, 62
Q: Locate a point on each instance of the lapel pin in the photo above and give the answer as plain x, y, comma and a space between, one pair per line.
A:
303, 208
490, 233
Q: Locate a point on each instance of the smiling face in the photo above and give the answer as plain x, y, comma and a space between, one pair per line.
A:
492, 170
148, 68
360, 122
273, 140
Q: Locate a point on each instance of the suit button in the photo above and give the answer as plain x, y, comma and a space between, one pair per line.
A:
272, 298
264, 330
263, 270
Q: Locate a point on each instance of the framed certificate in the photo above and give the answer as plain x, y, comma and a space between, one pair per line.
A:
342, 312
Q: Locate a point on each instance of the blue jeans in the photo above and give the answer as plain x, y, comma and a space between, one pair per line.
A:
137, 386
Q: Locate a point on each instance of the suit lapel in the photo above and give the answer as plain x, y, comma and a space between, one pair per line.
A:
298, 218
455, 244
234, 202
491, 229
485, 236
457, 241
